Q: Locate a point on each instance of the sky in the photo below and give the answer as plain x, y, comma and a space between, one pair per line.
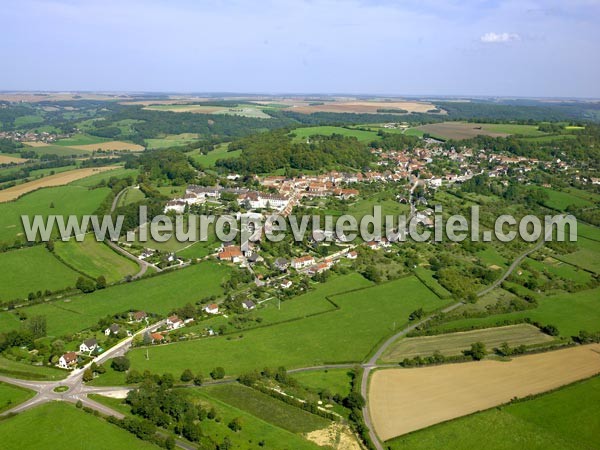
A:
526, 48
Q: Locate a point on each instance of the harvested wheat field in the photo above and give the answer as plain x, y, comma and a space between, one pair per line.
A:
365, 107
110, 146
11, 160
59, 179
405, 400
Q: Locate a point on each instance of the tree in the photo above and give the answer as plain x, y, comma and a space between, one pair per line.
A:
100, 282
198, 379
50, 245
235, 425
170, 443
416, 314
186, 376
37, 326
477, 351
354, 401
120, 364
79, 404
88, 375
217, 373
85, 285
550, 330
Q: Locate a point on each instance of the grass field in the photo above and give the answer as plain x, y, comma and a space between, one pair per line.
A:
32, 269
445, 392
11, 396
267, 408
60, 425
111, 146
131, 195
455, 343
465, 130
569, 312
302, 134
58, 179
220, 152
95, 258
172, 140
26, 371
80, 139
337, 381
59, 150
587, 257
62, 200
254, 428
244, 110
567, 419
346, 335
158, 294
560, 200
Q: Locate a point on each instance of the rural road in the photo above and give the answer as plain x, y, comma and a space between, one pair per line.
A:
143, 264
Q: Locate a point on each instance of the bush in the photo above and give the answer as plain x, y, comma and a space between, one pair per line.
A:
217, 373
120, 364
187, 376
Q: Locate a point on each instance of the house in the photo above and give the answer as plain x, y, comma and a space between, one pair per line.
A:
302, 262
174, 323
352, 255
373, 245
68, 360
233, 254
138, 316
286, 284
281, 264
213, 308
113, 329
88, 346
157, 338
248, 304
319, 268
175, 205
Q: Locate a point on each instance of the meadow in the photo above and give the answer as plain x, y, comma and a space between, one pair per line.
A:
587, 256
11, 396
244, 110
158, 294
172, 140
61, 425
95, 259
62, 200
32, 269
26, 371
444, 392
348, 334
302, 134
336, 381
569, 312
209, 160
267, 408
466, 130
566, 419
454, 343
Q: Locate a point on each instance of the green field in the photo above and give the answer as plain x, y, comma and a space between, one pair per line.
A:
93, 180
587, 256
159, 294
95, 258
244, 110
220, 152
32, 269
454, 343
61, 200
11, 396
131, 195
80, 139
346, 335
60, 425
560, 200
337, 381
59, 150
172, 140
27, 371
465, 130
267, 408
569, 312
567, 419
364, 136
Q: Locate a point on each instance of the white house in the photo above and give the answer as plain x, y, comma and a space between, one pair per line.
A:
175, 205
68, 360
113, 329
88, 346
352, 255
302, 262
174, 323
213, 308
286, 284
248, 304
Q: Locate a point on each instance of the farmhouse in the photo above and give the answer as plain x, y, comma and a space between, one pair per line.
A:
213, 308
352, 255
113, 329
88, 346
248, 304
157, 338
233, 254
138, 316
174, 323
302, 262
68, 360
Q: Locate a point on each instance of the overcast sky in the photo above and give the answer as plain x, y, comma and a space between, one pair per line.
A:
417, 47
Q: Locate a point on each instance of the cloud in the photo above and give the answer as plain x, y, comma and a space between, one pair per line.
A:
499, 38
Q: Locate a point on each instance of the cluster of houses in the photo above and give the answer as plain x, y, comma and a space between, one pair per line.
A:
30, 136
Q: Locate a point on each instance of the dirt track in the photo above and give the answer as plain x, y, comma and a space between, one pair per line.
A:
59, 179
405, 400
